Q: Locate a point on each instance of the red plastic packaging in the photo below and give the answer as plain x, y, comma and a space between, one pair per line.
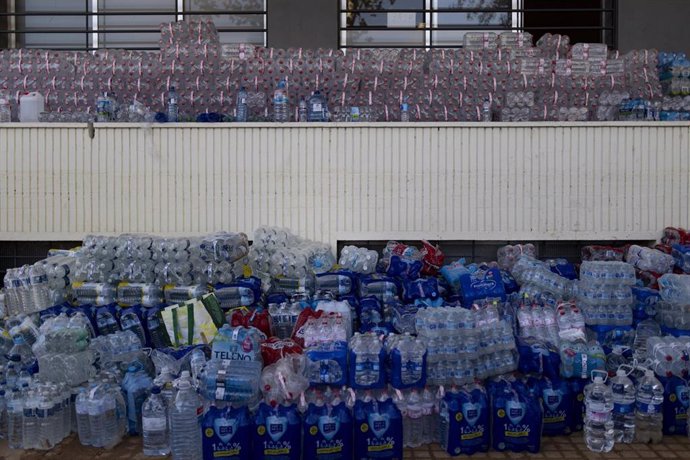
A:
274, 349
432, 260
254, 318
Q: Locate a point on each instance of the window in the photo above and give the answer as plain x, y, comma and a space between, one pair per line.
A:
131, 24
443, 23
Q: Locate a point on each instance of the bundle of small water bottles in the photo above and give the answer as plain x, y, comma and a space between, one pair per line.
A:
506, 76
210, 347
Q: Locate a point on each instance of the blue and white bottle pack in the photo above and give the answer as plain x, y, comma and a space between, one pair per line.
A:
278, 432
327, 432
327, 364
482, 284
557, 403
465, 425
371, 317
243, 292
645, 303
577, 388
538, 357
131, 320
421, 288
676, 400
341, 282
106, 319
404, 267
516, 417
406, 370
378, 430
158, 337
382, 287
365, 373
227, 433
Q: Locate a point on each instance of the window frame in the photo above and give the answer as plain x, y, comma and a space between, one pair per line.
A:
92, 31
431, 13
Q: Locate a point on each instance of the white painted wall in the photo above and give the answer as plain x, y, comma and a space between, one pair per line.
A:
446, 181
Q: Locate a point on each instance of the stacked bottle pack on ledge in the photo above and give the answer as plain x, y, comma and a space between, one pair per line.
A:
210, 347
502, 76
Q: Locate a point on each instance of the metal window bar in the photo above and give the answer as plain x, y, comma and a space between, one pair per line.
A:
431, 25
92, 29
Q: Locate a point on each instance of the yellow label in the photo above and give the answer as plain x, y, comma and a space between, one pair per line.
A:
516, 434
501, 413
380, 448
364, 428
313, 430
168, 286
227, 453
672, 398
580, 397
247, 271
123, 284
77, 284
209, 432
329, 450
458, 417
261, 430
471, 435
559, 418
281, 451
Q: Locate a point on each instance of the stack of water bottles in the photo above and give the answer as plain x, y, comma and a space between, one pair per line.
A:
63, 352
28, 289
604, 293
290, 260
465, 344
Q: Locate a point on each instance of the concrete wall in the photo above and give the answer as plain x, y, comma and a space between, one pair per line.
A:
303, 23
660, 24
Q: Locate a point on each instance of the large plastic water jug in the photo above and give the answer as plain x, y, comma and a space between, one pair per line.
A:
30, 107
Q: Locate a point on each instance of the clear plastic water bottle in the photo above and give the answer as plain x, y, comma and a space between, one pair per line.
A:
104, 108
623, 414
165, 381
15, 420
598, 423
486, 110
172, 108
27, 360
81, 408
39, 288
30, 422
302, 112
242, 106
197, 361
317, 108
5, 110
155, 425
649, 400
281, 111
404, 112
185, 421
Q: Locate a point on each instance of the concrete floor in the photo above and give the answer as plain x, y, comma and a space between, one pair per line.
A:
564, 447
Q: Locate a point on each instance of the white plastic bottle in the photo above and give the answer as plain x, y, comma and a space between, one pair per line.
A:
649, 415
155, 425
185, 422
598, 423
